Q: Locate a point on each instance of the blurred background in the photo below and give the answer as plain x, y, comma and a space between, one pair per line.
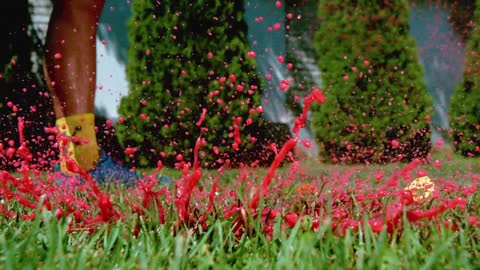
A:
284, 28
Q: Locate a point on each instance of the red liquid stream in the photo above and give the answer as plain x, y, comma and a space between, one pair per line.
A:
315, 95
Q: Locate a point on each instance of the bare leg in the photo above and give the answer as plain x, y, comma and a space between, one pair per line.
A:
70, 65
70, 55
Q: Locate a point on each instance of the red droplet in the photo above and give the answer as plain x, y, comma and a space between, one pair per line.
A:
240, 88
439, 144
376, 225
306, 143
291, 219
395, 143
278, 4
284, 85
281, 59
129, 151
202, 117
273, 147
421, 173
235, 146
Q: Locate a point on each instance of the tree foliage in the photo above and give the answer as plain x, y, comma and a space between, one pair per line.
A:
377, 108
187, 58
465, 104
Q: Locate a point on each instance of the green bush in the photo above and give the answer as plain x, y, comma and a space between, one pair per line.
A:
465, 104
185, 57
375, 93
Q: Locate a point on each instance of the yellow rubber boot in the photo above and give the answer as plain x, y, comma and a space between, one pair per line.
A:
83, 147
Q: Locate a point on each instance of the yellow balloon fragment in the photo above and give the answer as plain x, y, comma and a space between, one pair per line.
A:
421, 188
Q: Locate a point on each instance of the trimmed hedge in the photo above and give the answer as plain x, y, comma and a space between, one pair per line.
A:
186, 57
465, 104
377, 107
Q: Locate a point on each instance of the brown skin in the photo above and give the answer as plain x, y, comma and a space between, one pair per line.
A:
72, 35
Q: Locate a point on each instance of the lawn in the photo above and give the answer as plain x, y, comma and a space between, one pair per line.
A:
141, 239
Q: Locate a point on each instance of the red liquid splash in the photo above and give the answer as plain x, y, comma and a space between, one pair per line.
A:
333, 197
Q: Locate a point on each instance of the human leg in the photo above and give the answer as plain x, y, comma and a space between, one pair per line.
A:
70, 70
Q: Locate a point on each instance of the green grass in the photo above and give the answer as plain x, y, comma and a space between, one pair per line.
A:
46, 242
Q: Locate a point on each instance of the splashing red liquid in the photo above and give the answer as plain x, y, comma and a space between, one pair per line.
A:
333, 197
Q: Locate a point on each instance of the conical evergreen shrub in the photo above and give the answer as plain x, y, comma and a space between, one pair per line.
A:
188, 59
465, 104
377, 108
